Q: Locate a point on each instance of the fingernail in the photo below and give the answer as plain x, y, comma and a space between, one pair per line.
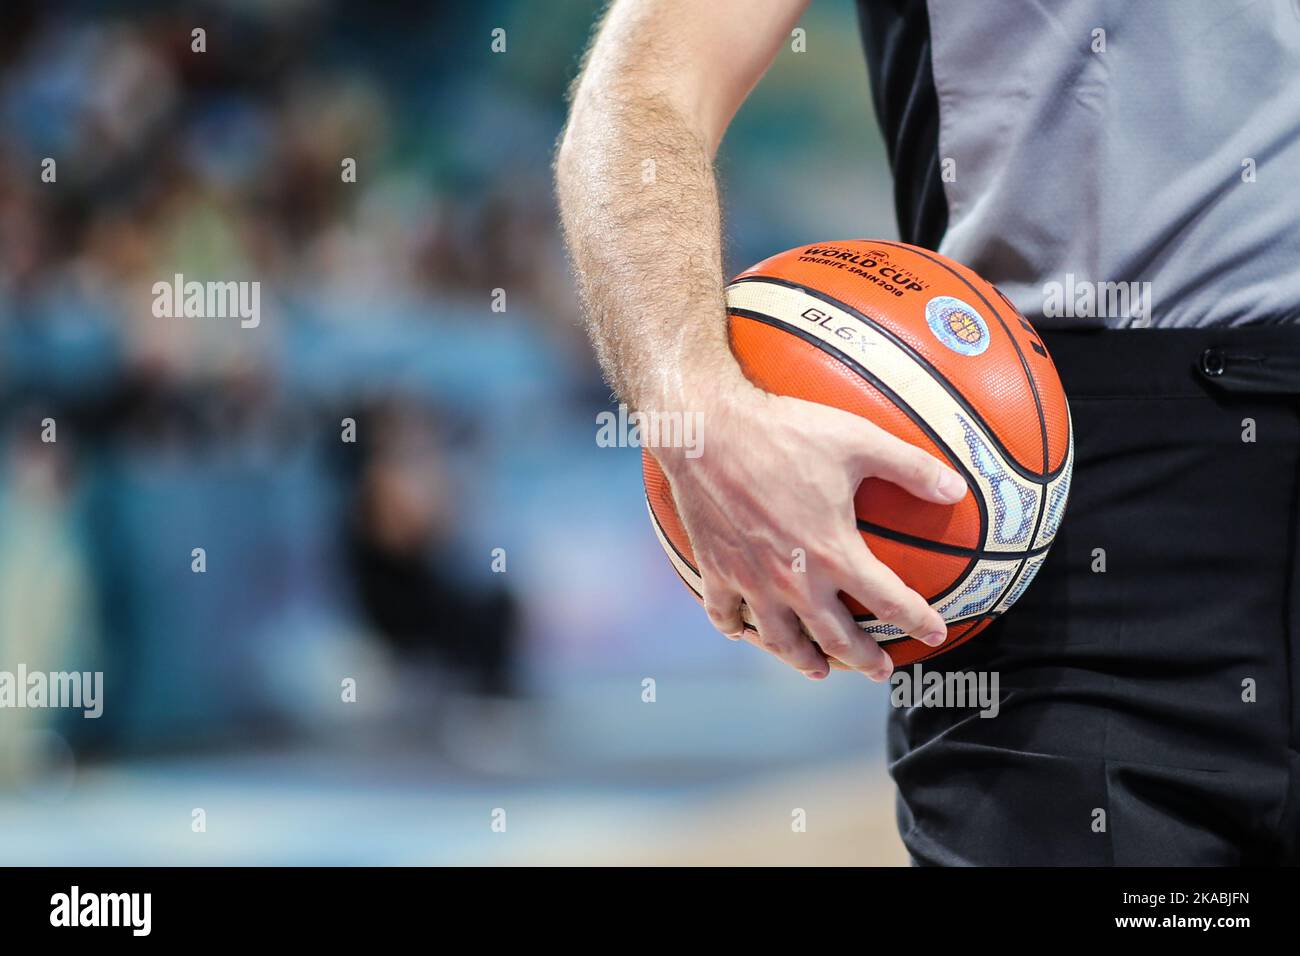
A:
951, 485
814, 675
735, 636
935, 638
881, 676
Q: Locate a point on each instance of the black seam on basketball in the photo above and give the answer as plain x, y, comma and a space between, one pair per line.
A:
1010, 459
664, 534
942, 547
902, 406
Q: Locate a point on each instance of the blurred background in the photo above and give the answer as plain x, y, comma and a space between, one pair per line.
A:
473, 564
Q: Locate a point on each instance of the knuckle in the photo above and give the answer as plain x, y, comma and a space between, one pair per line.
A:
835, 643
890, 609
840, 552
922, 469
799, 588
868, 438
720, 615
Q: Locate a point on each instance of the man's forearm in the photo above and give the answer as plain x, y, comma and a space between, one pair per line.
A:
639, 204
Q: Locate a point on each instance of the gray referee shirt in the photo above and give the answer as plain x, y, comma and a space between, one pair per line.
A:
1104, 162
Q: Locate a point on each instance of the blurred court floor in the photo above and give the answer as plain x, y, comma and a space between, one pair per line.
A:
573, 791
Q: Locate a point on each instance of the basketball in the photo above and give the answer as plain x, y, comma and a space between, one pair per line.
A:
926, 349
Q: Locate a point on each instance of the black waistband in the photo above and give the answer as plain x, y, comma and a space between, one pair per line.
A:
1259, 360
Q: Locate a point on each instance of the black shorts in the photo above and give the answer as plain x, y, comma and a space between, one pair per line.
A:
1147, 678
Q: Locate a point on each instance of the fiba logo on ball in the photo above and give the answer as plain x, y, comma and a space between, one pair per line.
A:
957, 325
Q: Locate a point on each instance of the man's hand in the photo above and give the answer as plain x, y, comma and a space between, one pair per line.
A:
779, 474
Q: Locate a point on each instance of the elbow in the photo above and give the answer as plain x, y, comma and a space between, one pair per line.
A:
569, 147
562, 162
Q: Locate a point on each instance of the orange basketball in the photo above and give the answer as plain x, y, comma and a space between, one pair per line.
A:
928, 350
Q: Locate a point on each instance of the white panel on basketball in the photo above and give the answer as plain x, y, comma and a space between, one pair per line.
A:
979, 591
882, 632
1014, 501
1058, 493
1022, 581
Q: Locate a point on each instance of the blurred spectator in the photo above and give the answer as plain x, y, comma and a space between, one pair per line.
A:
400, 531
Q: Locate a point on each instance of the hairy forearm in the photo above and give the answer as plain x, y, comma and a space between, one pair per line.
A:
639, 204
